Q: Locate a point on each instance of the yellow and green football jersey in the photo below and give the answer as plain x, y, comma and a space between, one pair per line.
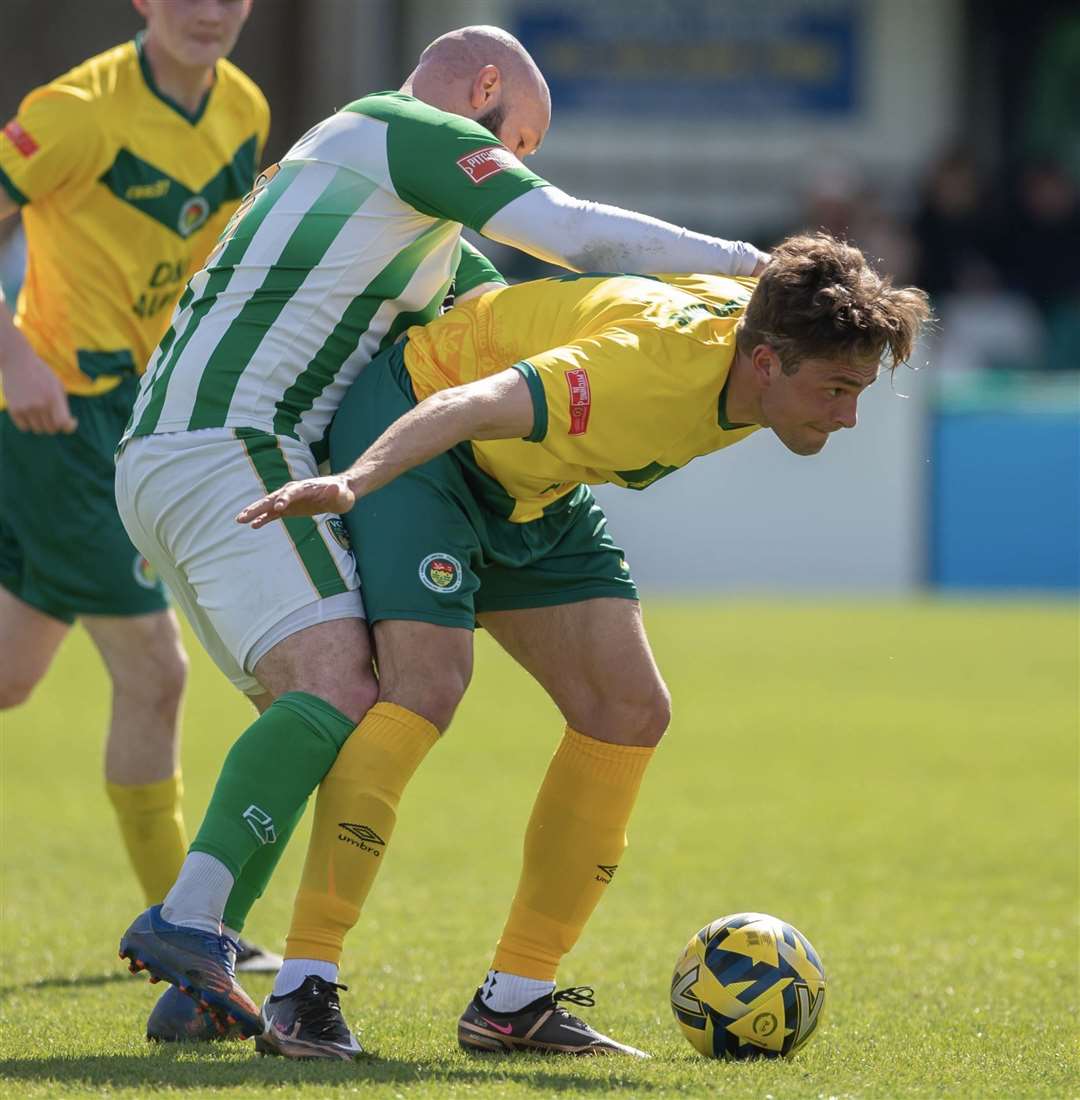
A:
626, 374
123, 195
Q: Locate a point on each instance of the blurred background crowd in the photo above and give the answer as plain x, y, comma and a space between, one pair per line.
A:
941, 136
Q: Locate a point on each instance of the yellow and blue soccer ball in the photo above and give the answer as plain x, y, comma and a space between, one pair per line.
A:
748, 986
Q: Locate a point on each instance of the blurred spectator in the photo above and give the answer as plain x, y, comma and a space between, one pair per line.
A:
970, 265
954, 226
1044, 242
1044, 235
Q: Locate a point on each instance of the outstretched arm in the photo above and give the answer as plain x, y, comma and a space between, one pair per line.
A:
590, 236
498, 407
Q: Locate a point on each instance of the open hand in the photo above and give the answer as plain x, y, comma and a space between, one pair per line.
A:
312, 497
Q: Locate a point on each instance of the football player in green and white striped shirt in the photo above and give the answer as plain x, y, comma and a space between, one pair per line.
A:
351, 238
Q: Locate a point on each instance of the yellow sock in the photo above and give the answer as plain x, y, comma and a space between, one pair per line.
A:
355, 814
573, 844
152, 824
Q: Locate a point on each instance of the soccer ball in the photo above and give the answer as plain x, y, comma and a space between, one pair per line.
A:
748, 986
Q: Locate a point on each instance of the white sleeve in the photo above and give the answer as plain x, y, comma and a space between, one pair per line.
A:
589, 236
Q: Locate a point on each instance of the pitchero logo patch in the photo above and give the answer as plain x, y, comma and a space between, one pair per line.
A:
487, 162
441, 573
580, 400
18, 137
193, 215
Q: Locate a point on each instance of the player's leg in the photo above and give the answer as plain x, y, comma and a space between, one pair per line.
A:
29, 640
571, 618
414, 542
594, 660
176, 1017
77, 560
283, 609
424, 670
148, 669
34, 618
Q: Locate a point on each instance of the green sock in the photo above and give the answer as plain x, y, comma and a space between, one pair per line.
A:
267, 776
257, 872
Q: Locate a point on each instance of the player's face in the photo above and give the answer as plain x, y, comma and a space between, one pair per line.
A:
195, 33
805, 408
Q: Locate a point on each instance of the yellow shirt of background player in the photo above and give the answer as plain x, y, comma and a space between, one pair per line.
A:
123, 195
626, 375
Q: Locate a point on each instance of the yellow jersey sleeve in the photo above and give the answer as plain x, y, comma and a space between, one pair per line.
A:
613, 400
54, 143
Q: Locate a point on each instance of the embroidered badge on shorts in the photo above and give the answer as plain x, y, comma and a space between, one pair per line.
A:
146, 576
441, 573
336, 526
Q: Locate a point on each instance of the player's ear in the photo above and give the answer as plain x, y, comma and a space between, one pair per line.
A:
486, 87
142, 7
764, 360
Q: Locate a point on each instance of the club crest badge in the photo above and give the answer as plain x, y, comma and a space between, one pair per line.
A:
146, 576
441, 573
193, 215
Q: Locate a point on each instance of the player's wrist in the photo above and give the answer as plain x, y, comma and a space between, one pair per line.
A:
18, 359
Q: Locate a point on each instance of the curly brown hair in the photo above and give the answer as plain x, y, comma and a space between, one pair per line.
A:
818, 298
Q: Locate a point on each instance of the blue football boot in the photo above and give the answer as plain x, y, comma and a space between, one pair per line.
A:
198, 963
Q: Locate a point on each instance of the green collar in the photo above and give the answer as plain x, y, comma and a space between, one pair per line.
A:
148, 76
721, 412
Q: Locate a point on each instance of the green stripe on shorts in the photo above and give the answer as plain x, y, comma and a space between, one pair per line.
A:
273, 471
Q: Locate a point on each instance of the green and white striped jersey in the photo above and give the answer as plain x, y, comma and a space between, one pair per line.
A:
351, 238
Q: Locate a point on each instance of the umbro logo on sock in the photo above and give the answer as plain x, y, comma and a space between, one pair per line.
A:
607, 872
362, 836
362, 832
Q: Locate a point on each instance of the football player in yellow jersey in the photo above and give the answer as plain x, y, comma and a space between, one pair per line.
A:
126, 169
477, 438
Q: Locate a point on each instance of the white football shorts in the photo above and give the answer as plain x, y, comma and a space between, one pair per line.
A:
243, 591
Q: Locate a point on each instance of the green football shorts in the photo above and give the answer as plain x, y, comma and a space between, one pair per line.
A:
63, 549
434, 546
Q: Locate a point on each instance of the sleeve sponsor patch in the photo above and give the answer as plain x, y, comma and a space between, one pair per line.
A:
18, 137
483, 163
580, 400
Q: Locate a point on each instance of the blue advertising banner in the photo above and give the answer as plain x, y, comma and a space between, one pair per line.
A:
1005, 481
695, 58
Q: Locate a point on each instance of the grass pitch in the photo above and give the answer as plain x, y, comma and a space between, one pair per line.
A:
897, 780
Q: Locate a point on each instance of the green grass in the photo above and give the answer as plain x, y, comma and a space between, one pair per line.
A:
898, 780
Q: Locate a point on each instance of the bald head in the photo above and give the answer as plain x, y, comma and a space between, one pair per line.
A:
486, 74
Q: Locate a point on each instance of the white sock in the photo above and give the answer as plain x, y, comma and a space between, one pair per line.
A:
293, 972
197, 898
503, 992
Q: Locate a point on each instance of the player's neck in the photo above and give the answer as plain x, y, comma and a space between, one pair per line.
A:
186, 85
743, 404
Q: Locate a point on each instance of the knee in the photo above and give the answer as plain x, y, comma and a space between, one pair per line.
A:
157, 680
658, 716
434, 696
353, 695
639, 719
